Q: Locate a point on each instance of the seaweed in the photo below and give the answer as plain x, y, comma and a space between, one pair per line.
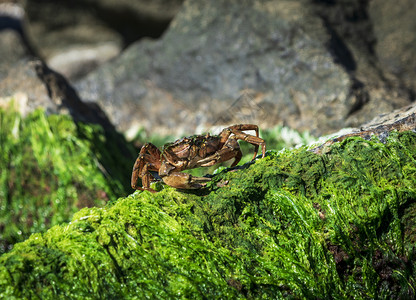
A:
294, 224
50, 168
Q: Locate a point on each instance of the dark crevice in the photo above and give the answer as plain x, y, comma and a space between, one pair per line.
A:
129, 24
361, 96
352, 41
338, 49
350, 29
16, 24
65, 96
350, 21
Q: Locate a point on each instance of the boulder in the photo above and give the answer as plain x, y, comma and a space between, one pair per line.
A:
308, 65
75, 37
11, 51
362, 34
29, 83
394, 28
18, 79
316, 66
380, 127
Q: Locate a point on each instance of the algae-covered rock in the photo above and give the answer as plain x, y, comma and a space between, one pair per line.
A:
294, 224
51, 167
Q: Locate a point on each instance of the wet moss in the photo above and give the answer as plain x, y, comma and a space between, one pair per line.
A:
294, 224
50, 168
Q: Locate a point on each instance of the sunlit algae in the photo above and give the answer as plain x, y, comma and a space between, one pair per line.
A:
295, 224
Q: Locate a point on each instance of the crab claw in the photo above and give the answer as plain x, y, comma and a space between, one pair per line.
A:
185, 181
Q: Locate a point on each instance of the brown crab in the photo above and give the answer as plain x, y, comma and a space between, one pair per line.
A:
192, 152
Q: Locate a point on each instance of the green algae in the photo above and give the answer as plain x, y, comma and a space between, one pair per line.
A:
292, 225
50, 168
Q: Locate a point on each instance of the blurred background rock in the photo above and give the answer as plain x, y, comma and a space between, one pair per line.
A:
76, 36
173, 67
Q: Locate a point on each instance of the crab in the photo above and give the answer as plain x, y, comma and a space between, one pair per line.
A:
192, 152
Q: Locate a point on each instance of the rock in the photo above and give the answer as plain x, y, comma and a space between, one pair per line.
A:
75, 62
394, 28
199, 66
13, 47
357, 40
22, 85
317, 66
382, 126
93, 30
307, 65
11, 50
30, 83
18, 79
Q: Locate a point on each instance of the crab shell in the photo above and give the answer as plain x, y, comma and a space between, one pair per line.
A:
192, 152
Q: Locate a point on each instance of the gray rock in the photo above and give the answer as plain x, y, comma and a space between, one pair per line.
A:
22, 87
210, 54
19, 83
94, 30
11, 50
358, 35
12, 47
76, 61
264, 62
28, 83
311, 65
394, 28
403, 119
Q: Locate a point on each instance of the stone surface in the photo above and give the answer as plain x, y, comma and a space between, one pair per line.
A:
11, 50
77, 61
394, 28
58, 28
21, 84
310, 66
382, 126
18, 80
358, 43
12, 47
317, 66
29, 82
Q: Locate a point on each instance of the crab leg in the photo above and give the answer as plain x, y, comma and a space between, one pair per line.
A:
237, 130
221, 156
244, 127
146, 177
254, 140
148, 160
